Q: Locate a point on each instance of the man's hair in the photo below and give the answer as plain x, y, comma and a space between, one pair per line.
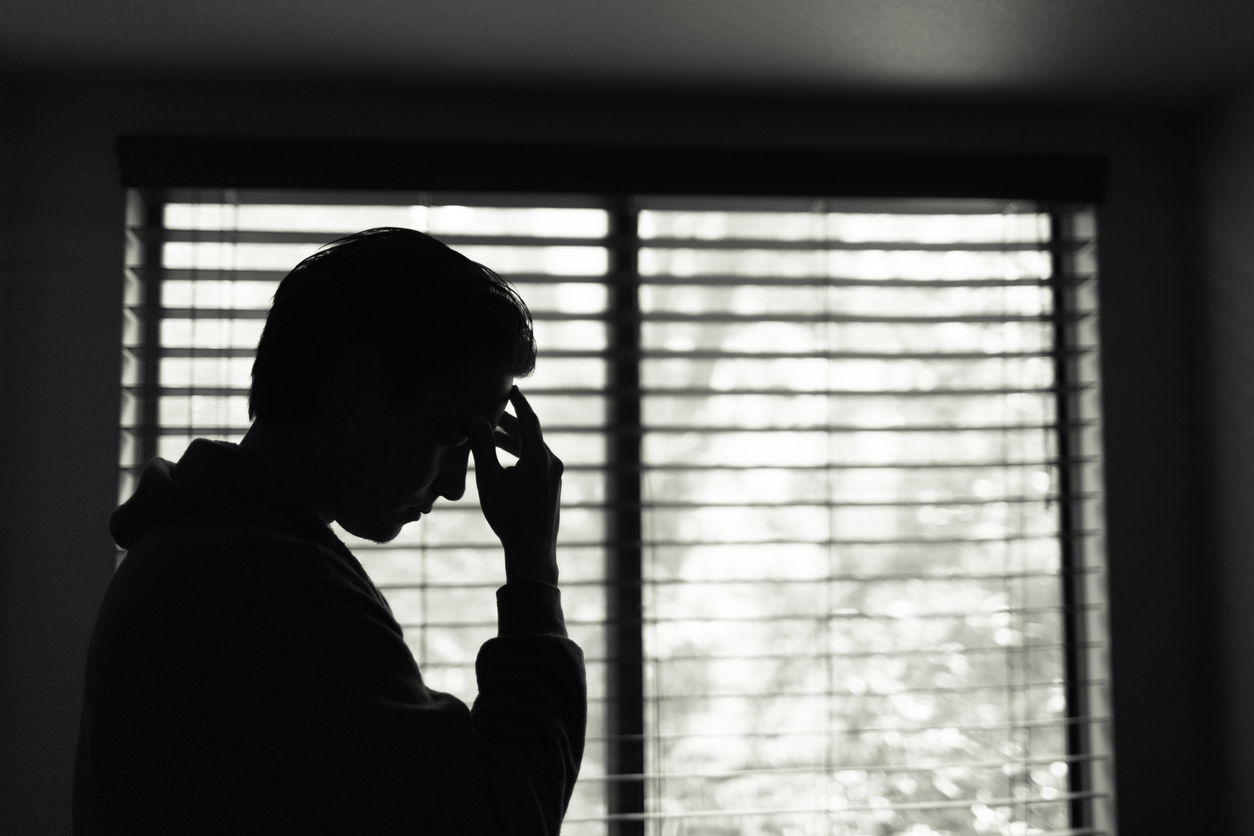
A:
432, 313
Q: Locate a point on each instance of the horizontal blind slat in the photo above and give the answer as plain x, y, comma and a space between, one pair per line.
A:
259, 236
852, 808
661, 354
720, 317
861, 579
863, 767
1060, 722
764, 619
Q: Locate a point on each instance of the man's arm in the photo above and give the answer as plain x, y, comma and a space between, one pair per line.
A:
349, 728
531, 711
532, 705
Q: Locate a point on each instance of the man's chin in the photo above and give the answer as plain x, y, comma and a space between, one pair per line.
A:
376, 531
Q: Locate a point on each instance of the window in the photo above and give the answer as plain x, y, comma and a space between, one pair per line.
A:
831, 524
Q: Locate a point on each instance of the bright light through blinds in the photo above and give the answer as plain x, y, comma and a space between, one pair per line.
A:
853, 560
852, 547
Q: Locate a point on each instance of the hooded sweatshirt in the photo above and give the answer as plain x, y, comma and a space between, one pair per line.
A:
246, 676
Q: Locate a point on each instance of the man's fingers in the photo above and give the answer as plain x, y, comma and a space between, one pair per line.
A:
528, 424
507, 435
509, 424
508, 441
483, 443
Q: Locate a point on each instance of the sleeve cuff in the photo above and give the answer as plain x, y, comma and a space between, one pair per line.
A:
531, 607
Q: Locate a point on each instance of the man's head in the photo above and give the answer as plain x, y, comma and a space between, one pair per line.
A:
430, 312
378, 351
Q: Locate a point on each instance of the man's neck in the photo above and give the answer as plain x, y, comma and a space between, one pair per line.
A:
298, 462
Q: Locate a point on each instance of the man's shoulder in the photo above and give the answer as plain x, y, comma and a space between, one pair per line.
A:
199, 554
225, 539
236, 577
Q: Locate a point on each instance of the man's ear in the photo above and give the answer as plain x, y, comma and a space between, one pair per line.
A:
359, 380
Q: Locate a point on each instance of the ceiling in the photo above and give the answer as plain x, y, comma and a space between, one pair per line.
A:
1168, 51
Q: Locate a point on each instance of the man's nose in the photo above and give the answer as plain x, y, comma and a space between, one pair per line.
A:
450, 483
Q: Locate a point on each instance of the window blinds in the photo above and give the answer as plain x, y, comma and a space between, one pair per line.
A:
831, 524
855, 614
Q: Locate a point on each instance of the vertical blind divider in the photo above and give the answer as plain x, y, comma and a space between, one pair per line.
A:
625, 646
1071, 563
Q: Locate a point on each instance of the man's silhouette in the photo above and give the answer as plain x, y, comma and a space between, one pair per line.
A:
245, 675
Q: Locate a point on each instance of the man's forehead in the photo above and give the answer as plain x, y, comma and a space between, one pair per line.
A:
487, 394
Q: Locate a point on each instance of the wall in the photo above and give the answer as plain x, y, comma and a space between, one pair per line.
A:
1228, 212
61, 210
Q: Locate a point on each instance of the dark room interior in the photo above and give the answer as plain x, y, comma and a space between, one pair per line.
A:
1162, 90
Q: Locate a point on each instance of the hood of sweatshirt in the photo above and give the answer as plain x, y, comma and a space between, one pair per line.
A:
215, 479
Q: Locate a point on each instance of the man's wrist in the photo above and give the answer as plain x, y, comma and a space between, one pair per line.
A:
530, 608
528, 565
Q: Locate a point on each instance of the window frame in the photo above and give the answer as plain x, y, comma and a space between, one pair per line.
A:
1056, 182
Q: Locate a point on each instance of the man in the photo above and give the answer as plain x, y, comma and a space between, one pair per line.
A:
245, 675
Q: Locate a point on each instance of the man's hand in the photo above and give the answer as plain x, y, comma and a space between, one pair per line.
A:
522, 503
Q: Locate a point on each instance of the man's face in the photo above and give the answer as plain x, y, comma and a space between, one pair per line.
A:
402, 458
